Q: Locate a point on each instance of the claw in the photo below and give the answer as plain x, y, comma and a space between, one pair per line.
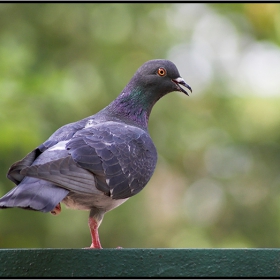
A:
56, 210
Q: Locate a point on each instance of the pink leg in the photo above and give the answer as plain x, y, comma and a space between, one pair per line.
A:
93, 226
56, 210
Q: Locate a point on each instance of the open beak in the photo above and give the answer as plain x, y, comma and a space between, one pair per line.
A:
180, 81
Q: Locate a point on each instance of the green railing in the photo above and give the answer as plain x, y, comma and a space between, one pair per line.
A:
140, 263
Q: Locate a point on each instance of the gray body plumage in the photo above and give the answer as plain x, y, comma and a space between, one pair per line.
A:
101, 162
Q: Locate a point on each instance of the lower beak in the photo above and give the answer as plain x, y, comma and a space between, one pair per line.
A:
180, 81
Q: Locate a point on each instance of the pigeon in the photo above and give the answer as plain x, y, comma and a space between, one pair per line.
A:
99, 162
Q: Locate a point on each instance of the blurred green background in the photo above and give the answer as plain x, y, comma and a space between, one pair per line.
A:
217, 182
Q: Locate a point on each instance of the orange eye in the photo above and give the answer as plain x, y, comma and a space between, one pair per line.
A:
161, 71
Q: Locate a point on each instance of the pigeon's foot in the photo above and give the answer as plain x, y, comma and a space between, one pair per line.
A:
100, 247
56, 210
91, 247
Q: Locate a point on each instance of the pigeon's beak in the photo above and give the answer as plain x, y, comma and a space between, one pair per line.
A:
180, 81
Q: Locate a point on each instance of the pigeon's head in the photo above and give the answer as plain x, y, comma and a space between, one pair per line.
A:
152, 80
160, 77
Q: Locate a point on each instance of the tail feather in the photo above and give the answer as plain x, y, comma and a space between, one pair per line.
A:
34, 194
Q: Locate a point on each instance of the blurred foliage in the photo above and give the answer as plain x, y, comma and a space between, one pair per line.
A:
217, 182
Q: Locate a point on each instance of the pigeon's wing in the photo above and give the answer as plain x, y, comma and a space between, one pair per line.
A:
113, 158
34, 193
64, 173
66, 132
122, 156
14, 171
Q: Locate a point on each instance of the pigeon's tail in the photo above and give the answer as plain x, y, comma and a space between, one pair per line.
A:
34, 194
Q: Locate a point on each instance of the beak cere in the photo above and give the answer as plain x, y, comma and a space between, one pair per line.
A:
180, 81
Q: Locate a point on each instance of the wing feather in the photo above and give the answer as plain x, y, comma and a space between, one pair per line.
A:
110, 157
124, 156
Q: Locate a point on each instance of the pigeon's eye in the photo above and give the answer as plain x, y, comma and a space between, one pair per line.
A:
161, 71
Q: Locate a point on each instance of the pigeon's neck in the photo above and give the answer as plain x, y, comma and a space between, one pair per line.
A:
132, 105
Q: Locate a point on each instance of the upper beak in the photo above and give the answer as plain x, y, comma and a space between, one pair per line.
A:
181, 81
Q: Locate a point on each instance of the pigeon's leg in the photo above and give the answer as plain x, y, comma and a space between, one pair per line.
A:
94, 221
56, 210
93, 226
